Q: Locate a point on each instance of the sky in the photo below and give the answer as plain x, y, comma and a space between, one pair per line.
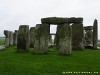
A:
14, 13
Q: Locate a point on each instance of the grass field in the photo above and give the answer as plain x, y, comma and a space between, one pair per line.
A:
15, 63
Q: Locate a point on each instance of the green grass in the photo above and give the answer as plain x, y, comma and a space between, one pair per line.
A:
16, 63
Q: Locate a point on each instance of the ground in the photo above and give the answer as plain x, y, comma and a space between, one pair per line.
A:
16, 63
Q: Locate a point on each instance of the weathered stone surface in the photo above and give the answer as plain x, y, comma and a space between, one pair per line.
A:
88, 38
32, 37
64, 35
6, 33
23, 38
77, 36
95, 34
42, 33
88, 28
56, 37
10, 38
55, 40
15, 34
59, 20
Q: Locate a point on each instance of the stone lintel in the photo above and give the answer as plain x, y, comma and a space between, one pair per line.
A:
61, 20
88, 28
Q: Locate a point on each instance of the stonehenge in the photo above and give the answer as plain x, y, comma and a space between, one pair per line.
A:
64, 41
70, 35
23, 39
77, 25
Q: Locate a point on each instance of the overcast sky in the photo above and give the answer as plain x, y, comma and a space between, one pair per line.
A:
29, 12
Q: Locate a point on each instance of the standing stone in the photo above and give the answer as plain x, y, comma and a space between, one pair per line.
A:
49, 40
15, 34
6, 33
56, 37
88, 36
10, 38
77, 36
42, 33
23, 38
32, 37
95, 34
54, 40
64, 36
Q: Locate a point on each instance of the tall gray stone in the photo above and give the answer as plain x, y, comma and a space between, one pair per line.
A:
64, 36
15, 34
77, 36
32, 37
56, 37
10, 38
6, 33
88, 38
42, 33
95, 34
23, 38
50, 40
